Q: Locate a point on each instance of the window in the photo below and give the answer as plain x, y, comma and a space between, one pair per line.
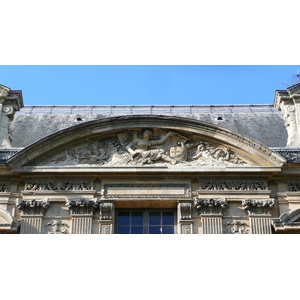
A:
145, 222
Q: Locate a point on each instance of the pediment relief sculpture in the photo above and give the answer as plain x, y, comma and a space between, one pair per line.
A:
147, 147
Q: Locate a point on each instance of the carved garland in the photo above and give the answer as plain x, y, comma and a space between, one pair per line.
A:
73, 185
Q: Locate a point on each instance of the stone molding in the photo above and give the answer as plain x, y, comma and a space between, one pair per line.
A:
258, 206
292, 155
7, 221
185, 188
33, 207
210, 206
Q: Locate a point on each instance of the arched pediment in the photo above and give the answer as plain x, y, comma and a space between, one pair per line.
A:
7, 221
288, 221
173, 142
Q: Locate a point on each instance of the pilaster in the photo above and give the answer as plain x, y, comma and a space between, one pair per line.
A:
81, 211
210, 211
32, 213
259, 211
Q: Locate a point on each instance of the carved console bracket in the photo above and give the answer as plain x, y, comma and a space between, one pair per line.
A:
106, 209
185, 209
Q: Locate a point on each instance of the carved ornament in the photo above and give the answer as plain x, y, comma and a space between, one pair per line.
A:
258, 206
185, 210
237, 227
81, 206
72, 185
33, 207
56, 227
106, 209
4, 187
233, 185
210, 206
134, 148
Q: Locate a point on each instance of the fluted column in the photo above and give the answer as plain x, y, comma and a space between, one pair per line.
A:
210, 211
32, 213
82, 211
259, 214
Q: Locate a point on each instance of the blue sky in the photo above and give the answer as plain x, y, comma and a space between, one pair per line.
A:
147, 84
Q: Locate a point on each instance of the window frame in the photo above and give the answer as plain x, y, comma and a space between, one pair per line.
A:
146, 219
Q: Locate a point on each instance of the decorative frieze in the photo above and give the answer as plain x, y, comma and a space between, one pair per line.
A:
237, 227
294, 186
210, 206
81, 206
33, 207
292, 155
258, 206
72, 185
233, 185
56, 227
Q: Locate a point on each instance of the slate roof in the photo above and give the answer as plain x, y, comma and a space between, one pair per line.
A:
263, 123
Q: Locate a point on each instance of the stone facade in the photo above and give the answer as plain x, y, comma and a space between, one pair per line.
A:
150, 172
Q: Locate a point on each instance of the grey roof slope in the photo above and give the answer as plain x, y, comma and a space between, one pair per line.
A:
263, 123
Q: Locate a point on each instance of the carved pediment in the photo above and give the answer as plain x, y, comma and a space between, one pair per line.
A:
146, 141
147, 147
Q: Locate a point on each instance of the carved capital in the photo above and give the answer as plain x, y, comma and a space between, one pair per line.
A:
33, 207
258, 206
81, 206
210, 206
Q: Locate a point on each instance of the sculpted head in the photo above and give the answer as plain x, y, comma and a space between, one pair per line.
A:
147, 134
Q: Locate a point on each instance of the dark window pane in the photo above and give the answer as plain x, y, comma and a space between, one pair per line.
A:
154, 218
123, 230
168, 218
154, 230
124, 218
168, 230
137, 218
137, 230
